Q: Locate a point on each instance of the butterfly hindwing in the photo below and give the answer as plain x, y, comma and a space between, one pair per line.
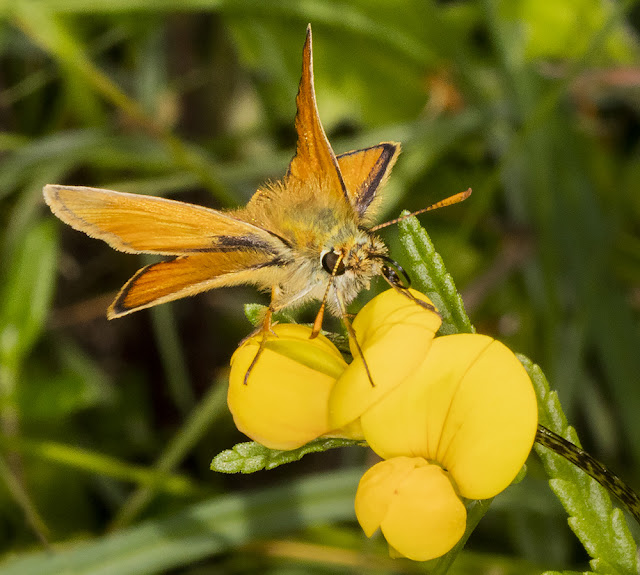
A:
190, 275
364, 171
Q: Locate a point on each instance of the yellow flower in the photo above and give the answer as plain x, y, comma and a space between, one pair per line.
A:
284, 403
470, 407
395, 334
415, 506
454, 417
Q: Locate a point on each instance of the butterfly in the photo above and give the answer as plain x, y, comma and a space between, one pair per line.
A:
305, 237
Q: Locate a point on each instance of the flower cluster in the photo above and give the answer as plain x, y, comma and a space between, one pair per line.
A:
452, 417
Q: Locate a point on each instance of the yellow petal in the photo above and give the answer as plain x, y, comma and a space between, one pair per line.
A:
410, 420
470, 407
415, 506
284, 403
496, 402
376, 489
395, 334
377, 318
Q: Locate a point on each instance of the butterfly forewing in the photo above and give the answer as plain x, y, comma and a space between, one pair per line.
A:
314, 157
147, 224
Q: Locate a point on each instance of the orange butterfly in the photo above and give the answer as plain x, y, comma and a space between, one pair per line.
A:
307, 236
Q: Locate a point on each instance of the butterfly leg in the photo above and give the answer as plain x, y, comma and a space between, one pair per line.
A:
352, 335
278, 301
265, 330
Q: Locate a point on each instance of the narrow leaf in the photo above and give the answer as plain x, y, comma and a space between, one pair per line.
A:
600, 527
255, 313
431, 278
26, 293
250, 457
101, 464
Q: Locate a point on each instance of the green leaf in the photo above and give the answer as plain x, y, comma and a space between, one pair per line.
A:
600, 527
431, 278
101, 464
214, 526
255, 313
250, 457
26, 293
566, 29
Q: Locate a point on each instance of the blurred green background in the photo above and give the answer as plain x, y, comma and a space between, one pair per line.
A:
108, 428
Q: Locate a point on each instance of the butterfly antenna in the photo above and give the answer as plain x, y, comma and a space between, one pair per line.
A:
455, 199
591, 467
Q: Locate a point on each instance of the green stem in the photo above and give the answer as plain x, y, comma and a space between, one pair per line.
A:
22, 498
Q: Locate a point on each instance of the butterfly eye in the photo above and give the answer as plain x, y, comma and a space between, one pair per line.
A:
329, 260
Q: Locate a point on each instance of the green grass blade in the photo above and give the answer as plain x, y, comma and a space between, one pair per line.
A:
199, 531
349, 18
208, 412
18, 166
26, 294
165, 330
23, 499
99, 463
52, 33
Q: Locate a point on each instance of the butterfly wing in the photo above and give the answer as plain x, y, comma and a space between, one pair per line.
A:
354, 176
314, 159
189, 275
215, 249
146, 224
364, 171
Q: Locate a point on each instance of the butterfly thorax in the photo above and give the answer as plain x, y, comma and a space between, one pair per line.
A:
312, 223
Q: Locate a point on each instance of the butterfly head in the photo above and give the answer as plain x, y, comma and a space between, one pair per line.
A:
353, 263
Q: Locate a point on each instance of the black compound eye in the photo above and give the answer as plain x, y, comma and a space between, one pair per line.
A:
329, 262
